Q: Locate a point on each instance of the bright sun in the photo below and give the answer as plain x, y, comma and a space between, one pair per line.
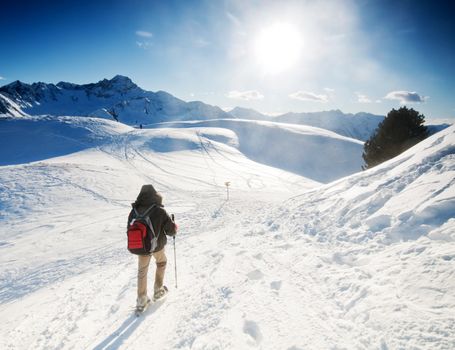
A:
278, 47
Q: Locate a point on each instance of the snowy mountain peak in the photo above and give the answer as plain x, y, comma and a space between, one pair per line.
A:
37, 92
119, 83
120, 99
248, 113
122, 79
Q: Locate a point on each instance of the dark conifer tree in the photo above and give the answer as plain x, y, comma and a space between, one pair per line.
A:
400, 130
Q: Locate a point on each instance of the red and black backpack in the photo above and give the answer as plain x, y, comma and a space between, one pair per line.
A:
142, 239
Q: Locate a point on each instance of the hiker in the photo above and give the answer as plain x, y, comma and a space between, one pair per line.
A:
149, 199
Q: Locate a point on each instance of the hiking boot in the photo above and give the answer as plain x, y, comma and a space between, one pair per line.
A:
159, 293
142, 302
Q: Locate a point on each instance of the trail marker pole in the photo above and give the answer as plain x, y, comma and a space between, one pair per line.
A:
227, 183
175, 257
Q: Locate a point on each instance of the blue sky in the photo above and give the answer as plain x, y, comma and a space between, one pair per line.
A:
273, 56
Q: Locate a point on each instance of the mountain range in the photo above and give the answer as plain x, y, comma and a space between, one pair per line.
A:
118, 98
121, 99
359, 126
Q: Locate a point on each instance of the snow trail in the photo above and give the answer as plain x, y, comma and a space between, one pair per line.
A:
335, 266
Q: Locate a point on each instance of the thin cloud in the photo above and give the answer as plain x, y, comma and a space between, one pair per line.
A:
233, 19
309, 96
144, 34
2, 78
237, 24
245, 95
144, 44
201, 42
329, 89
361, 98
406, 97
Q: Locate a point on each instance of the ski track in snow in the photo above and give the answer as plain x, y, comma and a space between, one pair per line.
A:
328, 269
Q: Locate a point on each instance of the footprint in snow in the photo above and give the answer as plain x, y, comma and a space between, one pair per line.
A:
252, 329
286, 246
258, 256
276, 285
225, 292
255, 275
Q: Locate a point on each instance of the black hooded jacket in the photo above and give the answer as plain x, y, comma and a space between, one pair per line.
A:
161, 221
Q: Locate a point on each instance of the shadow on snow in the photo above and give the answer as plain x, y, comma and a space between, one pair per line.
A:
127, 328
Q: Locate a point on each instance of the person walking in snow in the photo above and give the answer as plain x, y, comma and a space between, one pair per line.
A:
163, 225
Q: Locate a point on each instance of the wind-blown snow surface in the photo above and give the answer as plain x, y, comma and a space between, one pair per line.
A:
318, 154
365, 262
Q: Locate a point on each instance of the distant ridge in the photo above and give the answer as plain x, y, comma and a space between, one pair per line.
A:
359, 126
122, 100
118, 98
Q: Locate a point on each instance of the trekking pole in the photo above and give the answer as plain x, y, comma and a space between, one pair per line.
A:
175, 264
175, 257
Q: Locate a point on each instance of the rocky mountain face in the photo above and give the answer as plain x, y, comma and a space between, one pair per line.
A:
118, 98
9, 107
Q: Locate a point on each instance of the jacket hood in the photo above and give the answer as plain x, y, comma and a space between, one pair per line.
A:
148, 196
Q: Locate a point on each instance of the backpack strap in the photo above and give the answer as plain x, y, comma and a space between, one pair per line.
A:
145, 213
149, 224
146, 217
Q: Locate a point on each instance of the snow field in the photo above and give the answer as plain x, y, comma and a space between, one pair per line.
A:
354, 264
52, 210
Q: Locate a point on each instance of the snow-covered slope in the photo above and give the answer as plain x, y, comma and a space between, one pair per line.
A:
118, 98
365, 262
30, 139
315, 153
358, 126
380, 246
404, 198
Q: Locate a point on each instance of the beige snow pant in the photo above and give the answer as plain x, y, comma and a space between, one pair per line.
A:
143, 266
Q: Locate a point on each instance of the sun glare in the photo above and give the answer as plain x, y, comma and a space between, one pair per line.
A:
277, 48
